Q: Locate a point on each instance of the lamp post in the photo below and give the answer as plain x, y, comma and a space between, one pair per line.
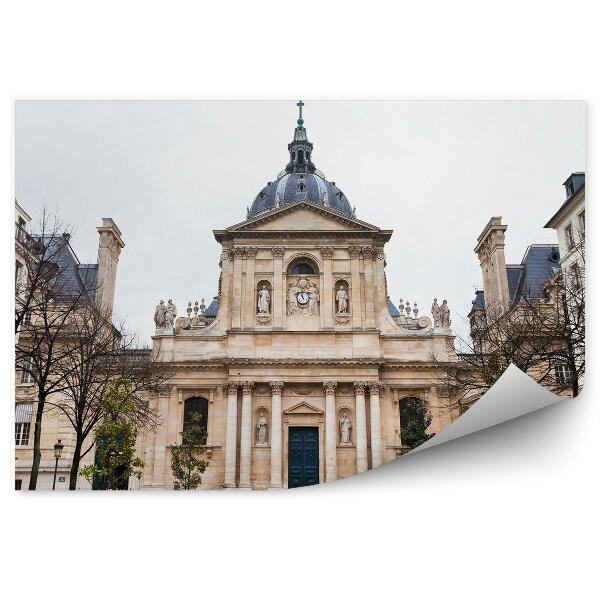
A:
58, 447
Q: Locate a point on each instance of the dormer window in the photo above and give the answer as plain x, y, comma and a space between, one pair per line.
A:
301, 187
570, 189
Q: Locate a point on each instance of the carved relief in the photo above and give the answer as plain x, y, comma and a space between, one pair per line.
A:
303, 297
231, 388
354, 251
278, 252
327, 252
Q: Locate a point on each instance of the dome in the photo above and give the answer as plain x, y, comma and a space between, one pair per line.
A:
300, 180
292, 187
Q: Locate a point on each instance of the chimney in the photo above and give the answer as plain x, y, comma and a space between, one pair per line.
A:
109, 248
490, 251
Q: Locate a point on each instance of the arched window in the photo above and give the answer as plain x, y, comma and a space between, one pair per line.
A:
195, 406
302, 268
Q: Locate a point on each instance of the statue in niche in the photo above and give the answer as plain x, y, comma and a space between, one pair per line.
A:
342, 301
436, 313
264, 301
159, 314
170, 314
262, 431
313, 298
345, 429
445, 315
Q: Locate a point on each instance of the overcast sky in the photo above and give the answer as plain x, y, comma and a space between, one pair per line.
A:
169, 172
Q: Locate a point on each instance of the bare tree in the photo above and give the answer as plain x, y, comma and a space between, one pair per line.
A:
46, 304
542, 336
97, 353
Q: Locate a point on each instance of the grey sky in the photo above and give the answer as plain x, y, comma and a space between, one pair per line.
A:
169, 172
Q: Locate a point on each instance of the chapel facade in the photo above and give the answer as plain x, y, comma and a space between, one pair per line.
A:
299, 367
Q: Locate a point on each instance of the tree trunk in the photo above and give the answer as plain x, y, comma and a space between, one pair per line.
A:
37, 438
75, 464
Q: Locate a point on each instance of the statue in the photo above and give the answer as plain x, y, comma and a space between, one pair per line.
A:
342, 300
264, 301
262, 431
445, 315
159, 314
170, 314
436, 313
292, 300
345, 428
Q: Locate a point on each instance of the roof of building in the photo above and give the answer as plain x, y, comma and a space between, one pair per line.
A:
72, 278
300, 180
540, 263
578, 180
212, 309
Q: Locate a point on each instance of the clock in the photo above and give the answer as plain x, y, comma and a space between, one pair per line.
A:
302, 298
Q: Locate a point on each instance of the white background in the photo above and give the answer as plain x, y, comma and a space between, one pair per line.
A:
510, 512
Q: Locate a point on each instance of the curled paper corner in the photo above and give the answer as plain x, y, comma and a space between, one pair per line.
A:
513, 395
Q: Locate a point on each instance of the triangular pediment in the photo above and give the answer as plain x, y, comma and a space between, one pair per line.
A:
303, 408
303, 216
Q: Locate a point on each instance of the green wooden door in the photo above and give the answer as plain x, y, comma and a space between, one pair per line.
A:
303, 456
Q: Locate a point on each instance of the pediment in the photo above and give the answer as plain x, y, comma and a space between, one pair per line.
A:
303, 216
303, 408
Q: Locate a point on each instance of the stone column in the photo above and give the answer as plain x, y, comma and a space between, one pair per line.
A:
246, 435
361, 427
376, 446
330, 432
381, 293
327, 291
355, 296
231, 434
226, 264
369, 287
276, 433
236, 299
250, 307
278, 300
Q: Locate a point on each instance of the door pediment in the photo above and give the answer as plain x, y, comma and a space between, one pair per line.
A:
303, 408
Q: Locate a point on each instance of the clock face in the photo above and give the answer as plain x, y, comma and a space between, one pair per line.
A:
302, 298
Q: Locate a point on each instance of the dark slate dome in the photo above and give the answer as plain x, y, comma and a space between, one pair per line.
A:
300, 180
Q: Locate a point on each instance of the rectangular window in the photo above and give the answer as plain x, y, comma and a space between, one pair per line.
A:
581, 219
569, 237
18, 484
23, 414
26, 366
27, 318
562, 374
575, 272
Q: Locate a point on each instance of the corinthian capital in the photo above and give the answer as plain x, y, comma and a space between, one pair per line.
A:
327, 252
247, 387
239, 252
329, 387
231, 387
374, 387
359, 387
368, 252
276, 387
354, 251
251, 251
278, 252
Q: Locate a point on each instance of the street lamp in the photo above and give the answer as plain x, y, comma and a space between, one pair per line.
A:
58, 447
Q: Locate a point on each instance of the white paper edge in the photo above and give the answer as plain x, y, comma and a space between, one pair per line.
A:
513, 395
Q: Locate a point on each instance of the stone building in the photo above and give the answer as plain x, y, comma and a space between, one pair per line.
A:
71, 278
299, 367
